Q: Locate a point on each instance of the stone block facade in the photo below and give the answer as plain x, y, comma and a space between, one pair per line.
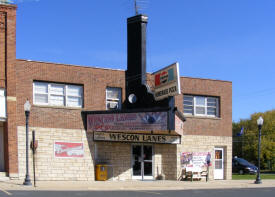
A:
117, 156
49, 167
198, 143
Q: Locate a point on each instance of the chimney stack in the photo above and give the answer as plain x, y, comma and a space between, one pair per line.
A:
136, 53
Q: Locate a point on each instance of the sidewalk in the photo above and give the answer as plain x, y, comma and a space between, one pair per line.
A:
134, 185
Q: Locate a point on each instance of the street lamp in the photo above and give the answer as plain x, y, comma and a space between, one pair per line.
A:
27, 108
260, 122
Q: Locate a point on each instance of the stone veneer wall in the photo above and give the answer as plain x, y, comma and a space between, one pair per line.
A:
165, 161
116, 155
47, 166
198, 143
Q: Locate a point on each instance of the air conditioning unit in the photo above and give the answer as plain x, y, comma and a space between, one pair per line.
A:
112, 105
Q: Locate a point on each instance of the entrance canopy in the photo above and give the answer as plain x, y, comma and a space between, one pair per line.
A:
140, 126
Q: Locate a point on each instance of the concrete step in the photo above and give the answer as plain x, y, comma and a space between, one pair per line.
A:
3, 176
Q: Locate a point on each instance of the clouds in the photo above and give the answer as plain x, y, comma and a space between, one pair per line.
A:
25, 1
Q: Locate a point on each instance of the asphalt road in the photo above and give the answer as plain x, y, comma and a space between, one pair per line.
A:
260, 192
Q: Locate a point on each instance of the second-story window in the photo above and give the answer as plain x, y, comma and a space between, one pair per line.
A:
55, 94
201, 105
113, 98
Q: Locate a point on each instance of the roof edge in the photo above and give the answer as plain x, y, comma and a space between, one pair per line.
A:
73, 65
206, 79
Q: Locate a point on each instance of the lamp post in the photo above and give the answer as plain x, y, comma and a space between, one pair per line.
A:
260, 122
27, 108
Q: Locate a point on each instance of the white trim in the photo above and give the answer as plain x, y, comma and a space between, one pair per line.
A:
219, 173
113, 100
205, 106
142, 162
50, 92
3, 104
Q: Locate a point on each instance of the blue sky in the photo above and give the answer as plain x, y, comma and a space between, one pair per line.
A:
231, 40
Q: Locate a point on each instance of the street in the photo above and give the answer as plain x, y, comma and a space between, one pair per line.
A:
248, 192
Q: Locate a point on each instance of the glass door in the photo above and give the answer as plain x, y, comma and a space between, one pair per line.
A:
142, 162
136, 161
219, 169
147, 162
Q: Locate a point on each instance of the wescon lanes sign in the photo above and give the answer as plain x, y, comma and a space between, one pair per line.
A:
139, 138
142, 121
167, 82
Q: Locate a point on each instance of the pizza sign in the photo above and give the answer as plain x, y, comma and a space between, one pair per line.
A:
167, 82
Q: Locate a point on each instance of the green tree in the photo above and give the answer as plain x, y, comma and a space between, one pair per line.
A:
246, 146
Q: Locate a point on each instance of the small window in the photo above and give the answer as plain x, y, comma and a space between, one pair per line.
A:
113, 98
201, 105
2, 103
54, 94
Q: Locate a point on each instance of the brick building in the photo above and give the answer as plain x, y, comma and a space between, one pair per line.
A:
63, 96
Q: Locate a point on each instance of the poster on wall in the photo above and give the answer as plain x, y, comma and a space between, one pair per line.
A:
195, 159
68, 149
142, 121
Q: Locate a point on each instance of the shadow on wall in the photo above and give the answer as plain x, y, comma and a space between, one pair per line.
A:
166, 161
117, 158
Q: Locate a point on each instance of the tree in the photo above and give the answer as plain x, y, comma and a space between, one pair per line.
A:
246, 145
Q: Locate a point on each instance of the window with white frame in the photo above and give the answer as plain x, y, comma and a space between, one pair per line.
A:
113, 98
201, 105
55, 94
2, 103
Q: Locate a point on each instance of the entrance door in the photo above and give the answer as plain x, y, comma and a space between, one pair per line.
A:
2, 162
142, 162
219, 169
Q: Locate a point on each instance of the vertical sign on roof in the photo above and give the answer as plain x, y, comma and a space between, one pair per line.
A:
167, 82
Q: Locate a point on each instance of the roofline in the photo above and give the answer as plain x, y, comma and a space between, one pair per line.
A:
12, 5
206, 79
94, 67
72, 65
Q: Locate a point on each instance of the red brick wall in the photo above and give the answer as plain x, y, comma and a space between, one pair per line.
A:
2, 47
221, 126
8, 80
94, 81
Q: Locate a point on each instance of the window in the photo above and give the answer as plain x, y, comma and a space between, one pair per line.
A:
55, 94
113, 98
201, 105
2, 104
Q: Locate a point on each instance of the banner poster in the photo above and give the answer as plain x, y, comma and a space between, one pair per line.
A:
142, 121
194, 159
68, 149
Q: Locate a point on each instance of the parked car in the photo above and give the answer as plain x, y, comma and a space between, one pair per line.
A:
241, 166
